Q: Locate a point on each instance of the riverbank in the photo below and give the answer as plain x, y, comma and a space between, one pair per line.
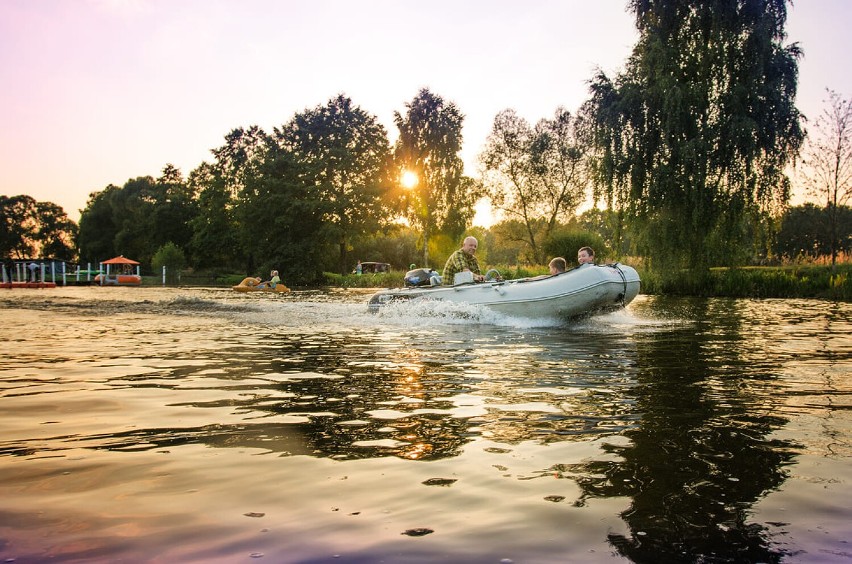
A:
794, 281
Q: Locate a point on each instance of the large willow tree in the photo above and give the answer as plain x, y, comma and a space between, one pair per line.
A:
694, 136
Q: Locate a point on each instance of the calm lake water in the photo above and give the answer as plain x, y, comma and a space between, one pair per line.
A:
202, 425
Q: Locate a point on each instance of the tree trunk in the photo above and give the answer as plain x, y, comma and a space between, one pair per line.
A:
425, 246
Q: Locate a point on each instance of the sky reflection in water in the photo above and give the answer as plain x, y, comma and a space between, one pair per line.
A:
201, 425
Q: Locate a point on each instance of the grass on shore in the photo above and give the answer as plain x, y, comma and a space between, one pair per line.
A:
793, 281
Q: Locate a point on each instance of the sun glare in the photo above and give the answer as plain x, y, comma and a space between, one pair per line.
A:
408, 179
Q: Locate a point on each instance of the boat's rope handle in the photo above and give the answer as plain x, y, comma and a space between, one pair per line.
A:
624, 281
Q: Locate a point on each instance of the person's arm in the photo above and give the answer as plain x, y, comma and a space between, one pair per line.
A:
473, 266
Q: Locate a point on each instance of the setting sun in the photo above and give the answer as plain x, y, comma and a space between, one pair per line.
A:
408, 179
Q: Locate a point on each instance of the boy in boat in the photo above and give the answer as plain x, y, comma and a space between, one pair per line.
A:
556, 266
586, 256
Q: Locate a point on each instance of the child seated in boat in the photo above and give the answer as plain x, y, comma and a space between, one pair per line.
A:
250, 281
556, 266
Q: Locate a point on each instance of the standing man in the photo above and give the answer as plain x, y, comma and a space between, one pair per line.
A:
463, 260
586, 256
33, 267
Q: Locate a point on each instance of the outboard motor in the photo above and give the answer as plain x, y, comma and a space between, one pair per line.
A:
419, 277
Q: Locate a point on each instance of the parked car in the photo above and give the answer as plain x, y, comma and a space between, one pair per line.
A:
375, 267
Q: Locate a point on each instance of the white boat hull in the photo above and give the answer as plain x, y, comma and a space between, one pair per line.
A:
587, 290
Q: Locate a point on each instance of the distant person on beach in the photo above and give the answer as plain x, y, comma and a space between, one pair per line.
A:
586, 256
33, 271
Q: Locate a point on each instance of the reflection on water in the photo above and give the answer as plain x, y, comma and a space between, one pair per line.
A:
300, 428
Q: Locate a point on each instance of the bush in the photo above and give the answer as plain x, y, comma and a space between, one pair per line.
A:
565, 243
390, 279
171, 256
757, 282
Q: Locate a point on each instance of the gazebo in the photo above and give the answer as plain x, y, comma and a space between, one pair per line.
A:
124, 273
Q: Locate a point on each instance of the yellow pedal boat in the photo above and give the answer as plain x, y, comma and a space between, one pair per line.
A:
253, 285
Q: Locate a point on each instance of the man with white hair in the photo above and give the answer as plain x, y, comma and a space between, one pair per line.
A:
463, 260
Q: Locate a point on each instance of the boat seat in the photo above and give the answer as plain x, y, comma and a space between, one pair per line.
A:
464, 277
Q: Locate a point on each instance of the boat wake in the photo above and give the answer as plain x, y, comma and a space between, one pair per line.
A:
333, 309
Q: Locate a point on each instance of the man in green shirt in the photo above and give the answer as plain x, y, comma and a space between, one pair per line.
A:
461, 260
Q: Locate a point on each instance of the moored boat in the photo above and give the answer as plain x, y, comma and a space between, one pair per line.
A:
13, 285
118, 280
586, 290
122, 275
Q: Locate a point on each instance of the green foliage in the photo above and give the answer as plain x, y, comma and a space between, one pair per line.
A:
173, 210
138, 218
757, 282
509, 272
535, 176
343, 156
686, 187
693, 138
429, 143
808, 231
506, 244
442, 246
172, 257
33, 229
396, 278
219, 238
513, 239
392, 279
215, 233
396, 244
609, 225
281, 221
566, 242
96, 239
16, 219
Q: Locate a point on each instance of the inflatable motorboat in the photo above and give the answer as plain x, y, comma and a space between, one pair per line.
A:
253, 285
586, 290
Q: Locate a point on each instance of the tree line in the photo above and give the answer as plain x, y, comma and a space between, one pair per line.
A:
684, 154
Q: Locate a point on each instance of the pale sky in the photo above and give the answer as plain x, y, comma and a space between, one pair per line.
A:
95, 92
